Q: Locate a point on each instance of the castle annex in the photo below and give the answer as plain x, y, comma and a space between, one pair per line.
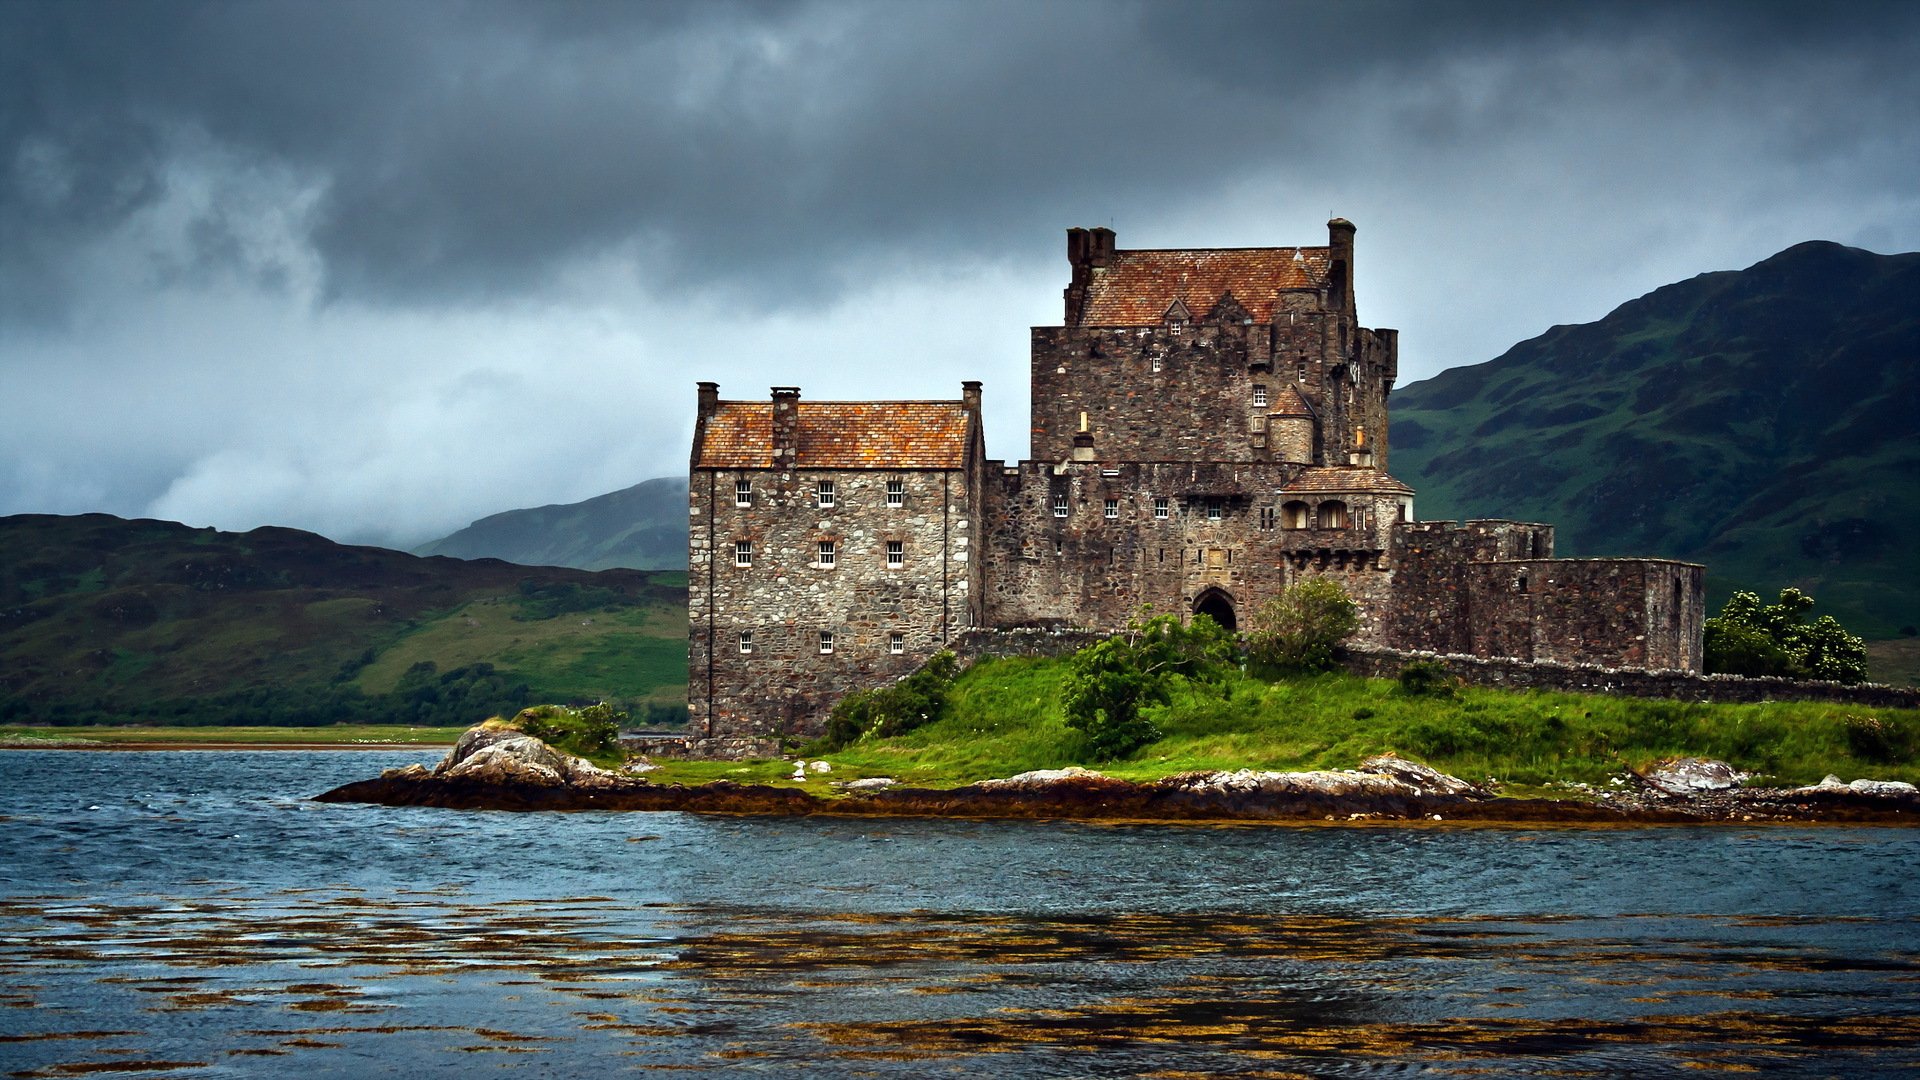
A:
1208, 427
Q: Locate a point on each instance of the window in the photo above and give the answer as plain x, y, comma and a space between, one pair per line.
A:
743, 493
1266, 519
896, 493
1295, 515
1300, 371
1333, 515
826, 496
1259, 397
743, 553
746, 643
1113, 508
826, 553
1160, 507
1214, 510
896, 643
1060, 504
1155, 363
826, 642
896, 554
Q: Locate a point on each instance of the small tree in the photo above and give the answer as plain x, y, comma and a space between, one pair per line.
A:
1110, 683
1301, 629
1752, 638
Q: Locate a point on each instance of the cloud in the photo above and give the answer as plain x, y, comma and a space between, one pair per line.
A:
326, 264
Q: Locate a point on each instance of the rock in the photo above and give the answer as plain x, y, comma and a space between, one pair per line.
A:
1882, 787
415, 771
1423, 779
1038, 778
820, 767
637, 766
1692, 776
510, 757
871, 783
474, 739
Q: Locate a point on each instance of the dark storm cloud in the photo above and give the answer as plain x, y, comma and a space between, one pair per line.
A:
465, 152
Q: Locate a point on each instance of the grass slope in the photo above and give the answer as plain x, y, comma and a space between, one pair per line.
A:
643, 527
1004, 717
103, 619
1758, 421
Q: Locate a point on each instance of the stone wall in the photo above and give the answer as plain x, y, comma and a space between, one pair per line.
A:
786, 597
1222, 535
1595, 679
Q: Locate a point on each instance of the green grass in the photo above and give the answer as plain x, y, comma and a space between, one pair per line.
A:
1004, 718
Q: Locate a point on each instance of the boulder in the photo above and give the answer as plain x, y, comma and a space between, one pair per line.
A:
1040, 778
871, 783
1692, 776
1882, 787
1423, 779
501, 755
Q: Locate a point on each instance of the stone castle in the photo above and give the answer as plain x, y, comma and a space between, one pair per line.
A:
1209, 426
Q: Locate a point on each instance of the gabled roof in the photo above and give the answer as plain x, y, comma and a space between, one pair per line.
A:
1288, 402
840, 435
1344, 479
1137, 287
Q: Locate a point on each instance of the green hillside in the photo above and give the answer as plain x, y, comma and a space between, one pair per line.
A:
643, 527
105, 620
1761, 421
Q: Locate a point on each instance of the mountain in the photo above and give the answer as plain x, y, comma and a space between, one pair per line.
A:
1765, 422
104, 619
643, 527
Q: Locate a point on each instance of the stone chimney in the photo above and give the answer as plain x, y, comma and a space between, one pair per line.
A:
970, 396
1340, 265
786, 425
1083, 442
1087, 250
709, 399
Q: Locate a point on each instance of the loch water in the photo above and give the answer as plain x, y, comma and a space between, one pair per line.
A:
194, 914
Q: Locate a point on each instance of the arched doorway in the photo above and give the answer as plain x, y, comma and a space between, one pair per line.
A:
1218, 606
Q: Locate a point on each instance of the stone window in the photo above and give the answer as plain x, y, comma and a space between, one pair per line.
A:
1160, 507
1060, 504
826, 495
1214, 510
1259, 397
896, 643
746, 643
743, 493
743, 553
896, 492
1155, 363
1266, 519
896, 554
826, 642
1113, 508
1300, 371
1333, 514
1295, 515
1520, 583
826, 554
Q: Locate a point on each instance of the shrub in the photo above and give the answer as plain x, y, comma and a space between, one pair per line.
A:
1883, 742
589, 732
916, 700
1751, 638
1428, 678
1110, 683
1302, 628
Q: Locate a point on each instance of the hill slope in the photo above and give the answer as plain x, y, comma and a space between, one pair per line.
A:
643, 527
107, 619
1760, 421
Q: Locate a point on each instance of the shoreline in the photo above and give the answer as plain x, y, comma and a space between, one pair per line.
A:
1117, 801
136, 745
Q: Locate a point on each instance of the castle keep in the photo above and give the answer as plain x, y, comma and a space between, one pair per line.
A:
1209, 426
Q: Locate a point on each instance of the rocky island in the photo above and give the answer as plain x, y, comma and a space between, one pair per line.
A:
494, 767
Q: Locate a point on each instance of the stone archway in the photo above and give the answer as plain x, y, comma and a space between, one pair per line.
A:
1218, 606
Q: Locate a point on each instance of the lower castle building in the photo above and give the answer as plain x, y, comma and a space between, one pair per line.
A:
1209, 426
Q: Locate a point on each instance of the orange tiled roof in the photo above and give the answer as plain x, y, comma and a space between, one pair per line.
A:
841, 435
1341, 479
1288, 402
1138, 286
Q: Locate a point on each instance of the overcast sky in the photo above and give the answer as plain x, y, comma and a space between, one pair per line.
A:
379, 269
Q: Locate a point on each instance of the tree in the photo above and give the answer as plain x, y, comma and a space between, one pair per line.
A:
1110, 683
1301, 629
1752, 638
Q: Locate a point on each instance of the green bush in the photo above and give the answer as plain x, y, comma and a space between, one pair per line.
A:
1428, 678
916, 700
1882, 742
591, 732
1301, 629
1751, 638
1110, 683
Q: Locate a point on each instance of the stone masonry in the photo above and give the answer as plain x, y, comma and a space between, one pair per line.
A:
1209, 426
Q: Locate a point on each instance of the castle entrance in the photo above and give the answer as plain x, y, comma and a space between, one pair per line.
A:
1218, 606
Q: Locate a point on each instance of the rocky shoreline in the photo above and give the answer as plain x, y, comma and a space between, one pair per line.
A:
508, 771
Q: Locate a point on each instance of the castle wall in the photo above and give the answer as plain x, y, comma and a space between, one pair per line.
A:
786, 598
1643, 613
1432, 609
1223, 530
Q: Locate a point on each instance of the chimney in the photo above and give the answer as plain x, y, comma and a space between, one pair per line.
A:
970, 396
709, 399
1083, 442
1087, 250
786, 425
1340, 265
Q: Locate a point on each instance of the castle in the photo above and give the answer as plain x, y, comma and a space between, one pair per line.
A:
1209, 426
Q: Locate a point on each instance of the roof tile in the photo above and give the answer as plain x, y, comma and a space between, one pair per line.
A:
1342, 479
840, 435
1138, 287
